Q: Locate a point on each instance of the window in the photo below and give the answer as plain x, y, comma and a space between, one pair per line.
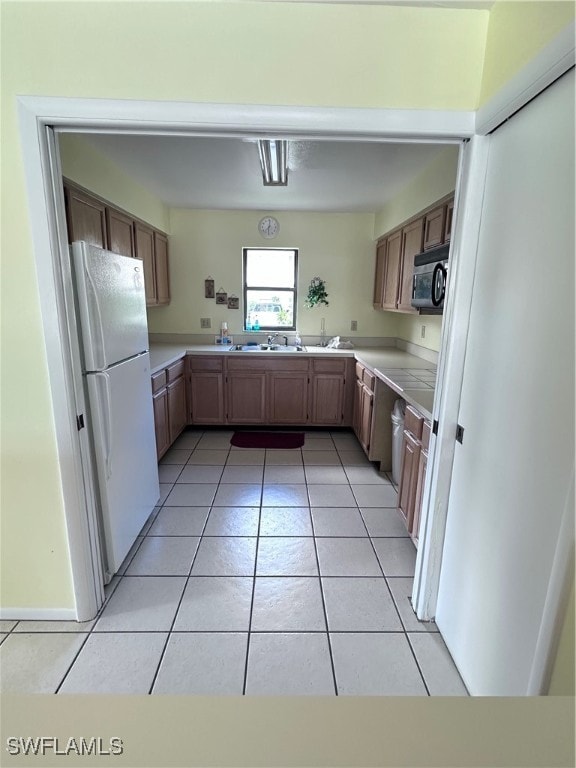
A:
270, 279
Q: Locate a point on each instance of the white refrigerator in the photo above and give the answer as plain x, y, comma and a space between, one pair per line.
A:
111, 306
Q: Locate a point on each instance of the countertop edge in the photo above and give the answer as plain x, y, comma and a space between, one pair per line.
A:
164, 355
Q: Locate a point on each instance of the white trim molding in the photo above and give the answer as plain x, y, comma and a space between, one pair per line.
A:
38, 614
554, 60
174, 117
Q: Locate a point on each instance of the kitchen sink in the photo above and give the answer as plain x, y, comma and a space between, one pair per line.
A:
265, 348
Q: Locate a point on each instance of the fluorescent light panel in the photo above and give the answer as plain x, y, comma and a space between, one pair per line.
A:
273, 154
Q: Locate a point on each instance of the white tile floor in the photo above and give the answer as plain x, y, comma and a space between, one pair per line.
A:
262, 572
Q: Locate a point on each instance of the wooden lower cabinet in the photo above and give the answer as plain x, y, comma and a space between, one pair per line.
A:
288, 397
414, 527
407, 489
245, 398
414, 463
364, 405
330, 382
266, 390
177, 411
161, 421
169, 401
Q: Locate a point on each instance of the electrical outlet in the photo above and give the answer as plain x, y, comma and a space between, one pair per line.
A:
422, 331
354, 325
205, 322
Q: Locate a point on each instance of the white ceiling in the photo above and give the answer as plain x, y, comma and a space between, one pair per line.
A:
224, 173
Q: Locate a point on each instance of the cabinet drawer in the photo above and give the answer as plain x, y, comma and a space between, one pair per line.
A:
288, 365
426, 432
158, 381
176, 370
369, 379
413, 422
328, 366
206, 363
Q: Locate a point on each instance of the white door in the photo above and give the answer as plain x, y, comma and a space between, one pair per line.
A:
112, 305
125, 447
511, 475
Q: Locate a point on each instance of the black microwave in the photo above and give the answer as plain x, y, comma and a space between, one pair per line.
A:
430, 279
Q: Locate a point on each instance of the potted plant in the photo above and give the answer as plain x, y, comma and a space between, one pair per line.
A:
316, 293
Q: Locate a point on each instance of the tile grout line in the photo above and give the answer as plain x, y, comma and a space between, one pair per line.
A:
245, 681
328, 639
186, 581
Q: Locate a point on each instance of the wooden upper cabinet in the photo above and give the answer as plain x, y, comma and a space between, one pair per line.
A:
86, 218
379, 274
411, 246
392, 270
161, 268
434, 222
448, 225
144, 237
120, 232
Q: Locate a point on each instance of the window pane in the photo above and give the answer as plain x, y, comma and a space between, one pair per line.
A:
270, 309
269, 267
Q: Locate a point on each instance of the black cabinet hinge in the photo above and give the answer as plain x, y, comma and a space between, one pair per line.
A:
460, 434
435, 427
80, 422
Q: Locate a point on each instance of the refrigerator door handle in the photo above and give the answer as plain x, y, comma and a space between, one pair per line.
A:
104, 378
99, 345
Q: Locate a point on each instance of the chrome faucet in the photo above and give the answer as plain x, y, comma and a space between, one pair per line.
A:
272, 337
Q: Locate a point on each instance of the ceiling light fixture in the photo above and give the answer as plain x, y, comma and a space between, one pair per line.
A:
273, 157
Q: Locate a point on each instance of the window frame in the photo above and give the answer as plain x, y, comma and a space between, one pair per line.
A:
270, 288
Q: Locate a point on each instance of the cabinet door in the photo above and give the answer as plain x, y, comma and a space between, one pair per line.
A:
434, 227
120, 233
392, 271
411, 246
145, 250
448, 225
379, 275
357, 415
177, 412
415, 524
206, 398
161, 267
161, 423
407, 489
366, 423
288, 398
246, 398
86, 218
327, 399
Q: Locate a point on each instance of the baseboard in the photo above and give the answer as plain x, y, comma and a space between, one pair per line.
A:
38, 614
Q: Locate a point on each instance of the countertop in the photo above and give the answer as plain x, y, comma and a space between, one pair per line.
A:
411, 377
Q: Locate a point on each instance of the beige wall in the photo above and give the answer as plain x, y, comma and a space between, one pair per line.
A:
91, 169
337, 247
517, 31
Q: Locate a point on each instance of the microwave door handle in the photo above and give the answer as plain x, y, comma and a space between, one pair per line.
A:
436, 284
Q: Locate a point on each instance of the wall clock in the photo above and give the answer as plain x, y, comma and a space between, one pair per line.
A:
269, 227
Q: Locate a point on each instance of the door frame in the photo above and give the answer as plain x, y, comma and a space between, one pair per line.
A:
40, 119
40, 116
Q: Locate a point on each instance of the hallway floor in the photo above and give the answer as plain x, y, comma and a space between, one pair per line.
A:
275, 572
